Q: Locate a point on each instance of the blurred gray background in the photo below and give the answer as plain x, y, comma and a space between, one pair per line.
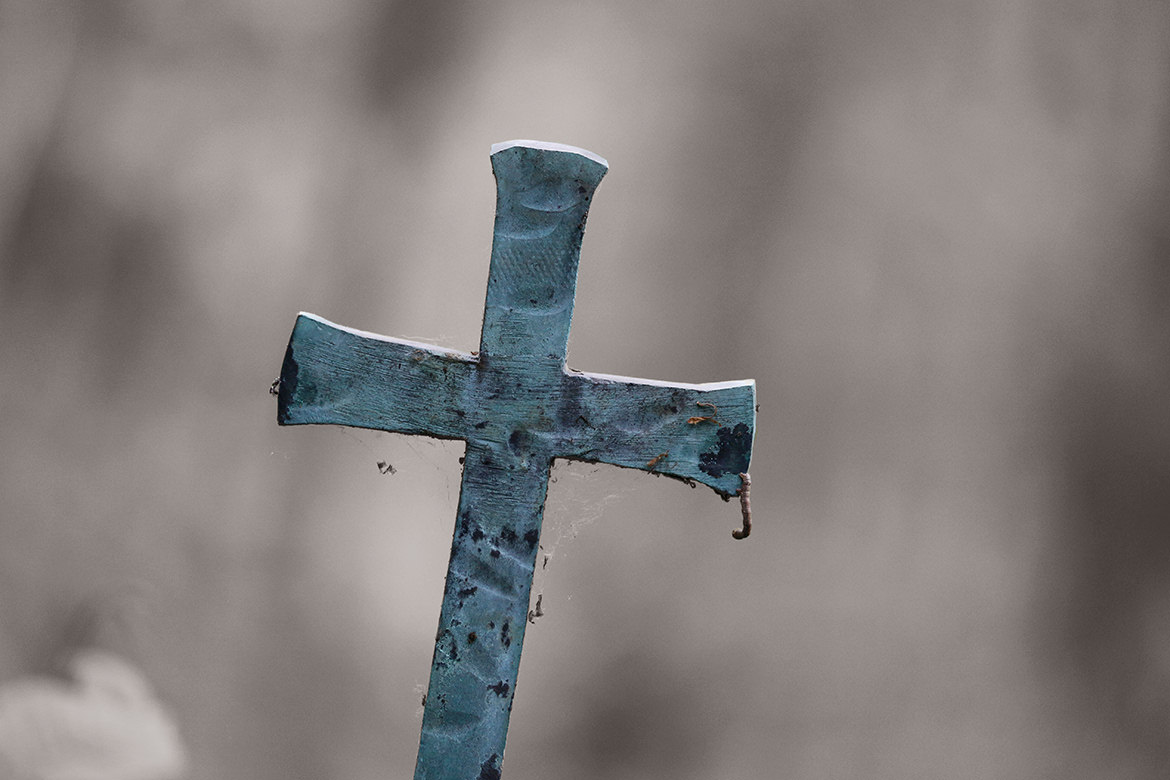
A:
935, 233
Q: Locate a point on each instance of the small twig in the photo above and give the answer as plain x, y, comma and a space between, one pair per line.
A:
711, 419
533, 614
745, 506
652, 464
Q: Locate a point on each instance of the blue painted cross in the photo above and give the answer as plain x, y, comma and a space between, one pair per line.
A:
517, 407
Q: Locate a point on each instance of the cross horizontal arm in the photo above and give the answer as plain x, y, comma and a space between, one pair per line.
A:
341, 376
700, 432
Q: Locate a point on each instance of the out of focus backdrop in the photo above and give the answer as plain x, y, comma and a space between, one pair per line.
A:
936, 234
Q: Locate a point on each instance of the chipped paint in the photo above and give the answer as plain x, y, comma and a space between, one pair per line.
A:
731, 454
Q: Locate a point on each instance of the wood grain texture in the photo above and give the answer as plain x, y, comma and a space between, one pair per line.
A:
518, 407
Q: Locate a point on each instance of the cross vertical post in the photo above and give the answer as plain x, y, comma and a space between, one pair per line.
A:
517, 406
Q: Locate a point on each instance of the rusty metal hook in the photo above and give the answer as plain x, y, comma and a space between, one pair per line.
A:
745, 506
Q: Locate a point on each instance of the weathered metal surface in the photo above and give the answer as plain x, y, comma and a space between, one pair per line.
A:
518, 407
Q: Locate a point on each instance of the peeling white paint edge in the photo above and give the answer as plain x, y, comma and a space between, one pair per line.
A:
431, 348
552, 147
705, 386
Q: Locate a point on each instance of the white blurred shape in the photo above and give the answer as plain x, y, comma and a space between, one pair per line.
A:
104, 724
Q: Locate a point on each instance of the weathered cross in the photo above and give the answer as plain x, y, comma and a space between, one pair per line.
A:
517, 407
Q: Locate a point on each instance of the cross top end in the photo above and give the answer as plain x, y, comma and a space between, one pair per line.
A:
543, 195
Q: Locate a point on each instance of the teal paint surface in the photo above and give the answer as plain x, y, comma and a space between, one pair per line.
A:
517, 407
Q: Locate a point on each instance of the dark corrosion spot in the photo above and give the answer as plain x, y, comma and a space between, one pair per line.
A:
508, 535
460, 413
471, 638
481, 425
287, 385
499, 689
730, 454
570, 407
532, 537
468, 591
490, 769
506, 635
494, 553
477, 534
